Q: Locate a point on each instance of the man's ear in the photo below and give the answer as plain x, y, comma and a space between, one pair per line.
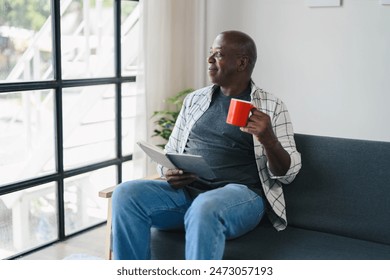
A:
243, 63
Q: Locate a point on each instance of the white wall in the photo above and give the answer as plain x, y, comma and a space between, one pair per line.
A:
331, 66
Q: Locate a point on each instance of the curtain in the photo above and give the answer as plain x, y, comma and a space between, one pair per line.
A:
172, 58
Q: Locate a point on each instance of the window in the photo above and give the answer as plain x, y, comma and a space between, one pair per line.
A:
64, 80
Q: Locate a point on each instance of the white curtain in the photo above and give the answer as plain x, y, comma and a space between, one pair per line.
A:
172, 58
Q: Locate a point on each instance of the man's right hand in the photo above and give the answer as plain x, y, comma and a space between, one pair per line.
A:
178, 178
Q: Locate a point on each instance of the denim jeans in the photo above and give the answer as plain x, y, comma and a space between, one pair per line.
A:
208, 220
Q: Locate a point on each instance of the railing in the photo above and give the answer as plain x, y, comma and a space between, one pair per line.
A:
22, 67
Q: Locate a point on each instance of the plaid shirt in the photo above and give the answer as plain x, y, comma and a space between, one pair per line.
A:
196, 103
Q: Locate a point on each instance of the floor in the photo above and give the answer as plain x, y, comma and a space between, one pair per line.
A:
89, 244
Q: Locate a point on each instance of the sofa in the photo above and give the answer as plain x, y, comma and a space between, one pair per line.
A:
338, 208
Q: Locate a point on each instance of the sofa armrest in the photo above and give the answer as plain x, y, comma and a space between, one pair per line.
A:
107, 193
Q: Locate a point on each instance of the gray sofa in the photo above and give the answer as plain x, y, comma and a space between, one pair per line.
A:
338, 207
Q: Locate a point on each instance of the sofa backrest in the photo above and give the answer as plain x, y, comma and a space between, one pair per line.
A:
342, 188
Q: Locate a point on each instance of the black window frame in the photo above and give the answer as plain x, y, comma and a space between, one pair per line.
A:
57, 85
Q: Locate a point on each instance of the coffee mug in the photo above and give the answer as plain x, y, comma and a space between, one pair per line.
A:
239, 112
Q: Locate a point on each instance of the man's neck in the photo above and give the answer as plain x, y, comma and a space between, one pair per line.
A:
236, 89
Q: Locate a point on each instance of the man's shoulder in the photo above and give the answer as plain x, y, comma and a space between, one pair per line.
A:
261, 94
267, 102
199, 94
203, 91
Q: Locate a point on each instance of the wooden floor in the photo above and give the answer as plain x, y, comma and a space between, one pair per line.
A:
87, 244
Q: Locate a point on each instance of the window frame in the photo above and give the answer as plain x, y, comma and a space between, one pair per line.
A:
57, 85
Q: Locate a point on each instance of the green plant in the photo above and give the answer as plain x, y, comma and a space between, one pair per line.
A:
168, 117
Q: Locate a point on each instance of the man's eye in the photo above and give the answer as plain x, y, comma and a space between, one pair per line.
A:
216, 54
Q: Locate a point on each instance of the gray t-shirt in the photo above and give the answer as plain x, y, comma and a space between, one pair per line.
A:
227, 149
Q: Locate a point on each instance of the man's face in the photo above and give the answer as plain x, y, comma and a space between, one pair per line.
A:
222, 62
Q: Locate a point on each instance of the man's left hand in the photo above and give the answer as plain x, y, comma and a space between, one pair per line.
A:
259, 124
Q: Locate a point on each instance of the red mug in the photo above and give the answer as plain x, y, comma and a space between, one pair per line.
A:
239, 112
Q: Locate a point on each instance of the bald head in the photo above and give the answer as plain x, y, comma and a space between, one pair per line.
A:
243, 43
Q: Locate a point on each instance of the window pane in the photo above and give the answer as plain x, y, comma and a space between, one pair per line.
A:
129, 172
129, 111
25, 41
83, 206
130, 37
28, 219
87, 40
27, 135
89, 125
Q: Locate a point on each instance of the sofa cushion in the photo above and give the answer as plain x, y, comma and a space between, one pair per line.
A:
342, 188
266, 243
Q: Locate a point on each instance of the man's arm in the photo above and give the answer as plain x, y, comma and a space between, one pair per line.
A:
173, 142
259, 124
176, 177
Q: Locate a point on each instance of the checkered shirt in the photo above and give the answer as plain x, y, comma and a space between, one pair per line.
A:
196, 103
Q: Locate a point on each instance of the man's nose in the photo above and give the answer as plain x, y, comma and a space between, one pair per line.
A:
211, 58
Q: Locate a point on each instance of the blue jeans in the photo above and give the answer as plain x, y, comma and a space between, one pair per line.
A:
208, 220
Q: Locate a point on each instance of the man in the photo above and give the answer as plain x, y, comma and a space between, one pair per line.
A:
250, 164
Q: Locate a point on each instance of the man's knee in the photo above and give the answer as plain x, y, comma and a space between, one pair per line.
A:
126, 190
203, 208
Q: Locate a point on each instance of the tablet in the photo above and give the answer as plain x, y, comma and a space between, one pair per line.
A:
186, 162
